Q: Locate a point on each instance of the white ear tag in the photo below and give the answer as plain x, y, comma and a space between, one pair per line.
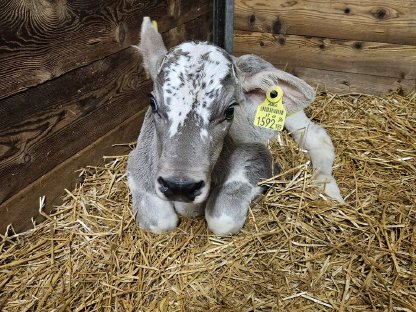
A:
271, 114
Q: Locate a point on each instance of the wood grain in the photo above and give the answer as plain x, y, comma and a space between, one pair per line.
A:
45, 125
342, 83
197, 29
41, 40
388, 21
23, 206
371, 58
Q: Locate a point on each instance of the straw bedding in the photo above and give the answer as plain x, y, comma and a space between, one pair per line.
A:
298, 251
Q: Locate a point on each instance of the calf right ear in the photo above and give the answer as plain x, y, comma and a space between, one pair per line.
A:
151, 47
257, 74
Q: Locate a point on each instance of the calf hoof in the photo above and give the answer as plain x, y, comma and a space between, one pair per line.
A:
224, 225
167, 224
330, 187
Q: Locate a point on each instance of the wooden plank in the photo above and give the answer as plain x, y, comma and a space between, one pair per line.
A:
342, 83
379, 59
180, 12
197, 29
23, 206
45, 125
41, 40
369, 20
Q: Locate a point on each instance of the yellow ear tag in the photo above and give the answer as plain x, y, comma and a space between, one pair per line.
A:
154, 24
271, 114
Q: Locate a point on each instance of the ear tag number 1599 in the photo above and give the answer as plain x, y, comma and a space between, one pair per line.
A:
271, 114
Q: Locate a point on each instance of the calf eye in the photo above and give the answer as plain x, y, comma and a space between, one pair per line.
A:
229, 112
153, 103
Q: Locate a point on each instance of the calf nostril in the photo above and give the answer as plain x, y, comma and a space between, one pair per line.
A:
161, 181
197, 186
164, 185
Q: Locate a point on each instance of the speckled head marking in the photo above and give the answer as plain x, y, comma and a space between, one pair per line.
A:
192, 78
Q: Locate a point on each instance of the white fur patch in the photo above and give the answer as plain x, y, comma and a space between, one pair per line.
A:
203, 133
223, 225
188, 209
238, 176
183, 91
256, 191
165, 225
161, 213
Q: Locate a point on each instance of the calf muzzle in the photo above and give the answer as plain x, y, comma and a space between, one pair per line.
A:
180, 189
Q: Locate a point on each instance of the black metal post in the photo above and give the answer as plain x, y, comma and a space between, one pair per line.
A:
223, 26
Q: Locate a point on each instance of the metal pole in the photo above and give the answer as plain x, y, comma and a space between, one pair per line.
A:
229, 26
223, 23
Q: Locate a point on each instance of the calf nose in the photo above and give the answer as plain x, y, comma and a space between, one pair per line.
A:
180, 189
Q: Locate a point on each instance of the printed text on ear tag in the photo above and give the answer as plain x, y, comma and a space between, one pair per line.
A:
271, 114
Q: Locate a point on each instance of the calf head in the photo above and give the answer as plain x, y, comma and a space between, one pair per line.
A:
195, 90
196, 87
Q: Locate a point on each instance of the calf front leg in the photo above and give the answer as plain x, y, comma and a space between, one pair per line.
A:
228, 203
152, 213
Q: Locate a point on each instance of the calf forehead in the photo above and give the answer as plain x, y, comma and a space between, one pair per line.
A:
192, 77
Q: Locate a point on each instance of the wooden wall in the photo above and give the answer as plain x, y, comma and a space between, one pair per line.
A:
70, 87
344, 46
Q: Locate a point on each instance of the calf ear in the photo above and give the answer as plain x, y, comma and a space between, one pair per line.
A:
257, 74
151, 47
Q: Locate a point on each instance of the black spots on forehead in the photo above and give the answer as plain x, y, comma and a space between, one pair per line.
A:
210, 69
181, 77
195, 104
171, 61
214, 47
213, 93
229, 77
224, 53
205, 56
174, 54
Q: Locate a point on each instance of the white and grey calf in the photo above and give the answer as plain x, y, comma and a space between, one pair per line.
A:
198, 151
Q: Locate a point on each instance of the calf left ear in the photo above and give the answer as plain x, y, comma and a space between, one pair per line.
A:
151, 47
256, 74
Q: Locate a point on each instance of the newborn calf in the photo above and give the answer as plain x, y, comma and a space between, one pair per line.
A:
198, 151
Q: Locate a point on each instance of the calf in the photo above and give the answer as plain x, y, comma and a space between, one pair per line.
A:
198, 151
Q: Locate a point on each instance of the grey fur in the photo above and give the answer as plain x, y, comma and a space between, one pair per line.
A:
189, 139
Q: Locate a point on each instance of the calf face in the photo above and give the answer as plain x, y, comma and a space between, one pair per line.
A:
195, 92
